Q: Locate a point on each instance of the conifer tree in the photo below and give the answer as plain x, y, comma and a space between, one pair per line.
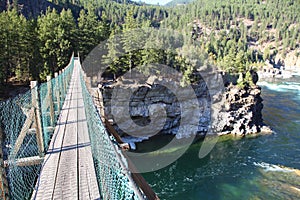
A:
67, 37
49, 39
91, 31
113, 57
129, 37
57, 37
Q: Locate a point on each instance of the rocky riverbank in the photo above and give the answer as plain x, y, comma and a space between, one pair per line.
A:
270, 71
280, 67
238, 111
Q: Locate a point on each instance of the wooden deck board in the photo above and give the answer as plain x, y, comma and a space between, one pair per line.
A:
66, 180
46, 181
68, 170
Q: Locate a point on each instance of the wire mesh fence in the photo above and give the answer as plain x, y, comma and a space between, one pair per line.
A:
21, 153
52, 95
112, 172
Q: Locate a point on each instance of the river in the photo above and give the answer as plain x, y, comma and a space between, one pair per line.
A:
249, 168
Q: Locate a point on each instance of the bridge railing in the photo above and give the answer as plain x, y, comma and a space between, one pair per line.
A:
27, 123
113, 167
112, 170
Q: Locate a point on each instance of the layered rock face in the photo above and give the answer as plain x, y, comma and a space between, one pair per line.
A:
236, 111
158, 105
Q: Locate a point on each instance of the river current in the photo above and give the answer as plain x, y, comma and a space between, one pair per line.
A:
264, 167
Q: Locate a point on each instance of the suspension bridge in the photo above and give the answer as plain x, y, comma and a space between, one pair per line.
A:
54, 145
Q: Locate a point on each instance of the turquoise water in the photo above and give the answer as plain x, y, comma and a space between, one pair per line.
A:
248, 168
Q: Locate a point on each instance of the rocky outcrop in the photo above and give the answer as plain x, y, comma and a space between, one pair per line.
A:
241, 112
237, 111
282, 72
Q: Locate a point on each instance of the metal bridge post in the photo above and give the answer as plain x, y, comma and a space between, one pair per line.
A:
37, 118
100, 102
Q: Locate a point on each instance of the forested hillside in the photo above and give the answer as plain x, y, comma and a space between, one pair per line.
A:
116, 10
236, 35
36, 46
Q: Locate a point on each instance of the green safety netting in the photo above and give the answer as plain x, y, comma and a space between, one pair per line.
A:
110, 164
13, 114
51, 96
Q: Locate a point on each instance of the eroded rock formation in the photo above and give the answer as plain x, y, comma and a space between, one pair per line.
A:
241, 111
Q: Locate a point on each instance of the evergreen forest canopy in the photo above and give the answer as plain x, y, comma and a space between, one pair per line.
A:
236, 35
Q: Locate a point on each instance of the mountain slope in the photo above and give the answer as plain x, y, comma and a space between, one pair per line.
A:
29, 8
178, 2
250, 32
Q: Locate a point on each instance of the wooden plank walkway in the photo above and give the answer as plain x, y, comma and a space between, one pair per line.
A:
68, 170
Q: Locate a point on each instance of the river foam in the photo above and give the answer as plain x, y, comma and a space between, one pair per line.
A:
273, 168
281, 87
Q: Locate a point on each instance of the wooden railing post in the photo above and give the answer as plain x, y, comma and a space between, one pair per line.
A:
37, 118
3, 178
50, 96
61, 87
57, 91
100, 102
64, 82
89, 82
27, 124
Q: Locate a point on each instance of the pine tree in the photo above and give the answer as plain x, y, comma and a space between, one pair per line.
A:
48, 36
113, 57
130, 38
91, 31
13, 52
266, 54
21, 69
3, 46
67, 37
57, 37
35, 60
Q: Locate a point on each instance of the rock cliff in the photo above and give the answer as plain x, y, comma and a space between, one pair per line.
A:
238, 111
